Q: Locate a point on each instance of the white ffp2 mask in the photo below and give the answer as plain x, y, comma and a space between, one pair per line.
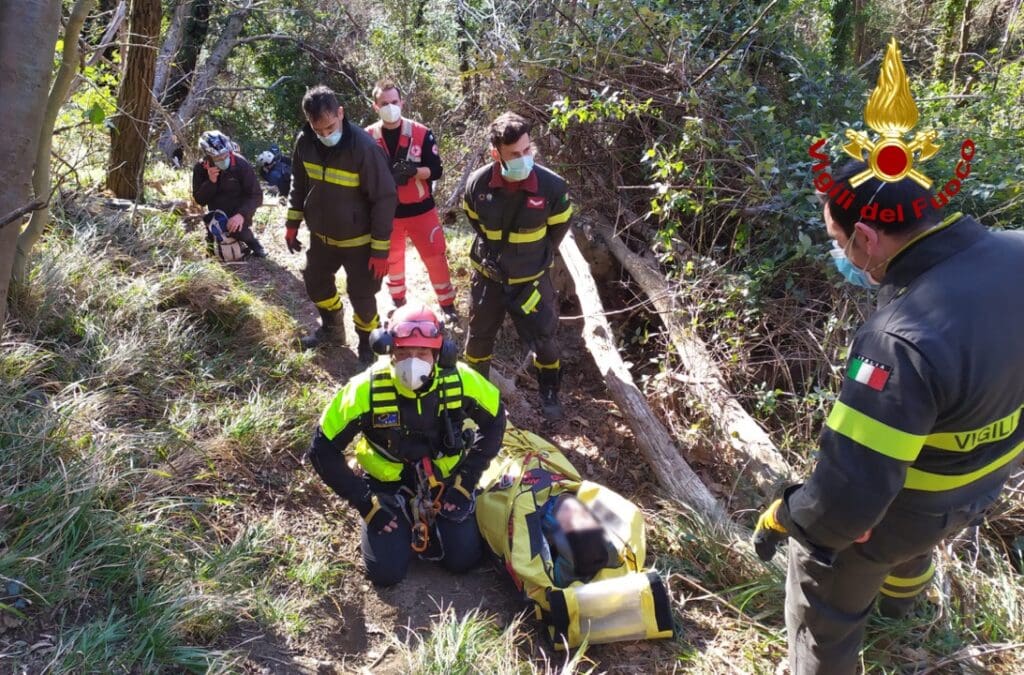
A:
413, 373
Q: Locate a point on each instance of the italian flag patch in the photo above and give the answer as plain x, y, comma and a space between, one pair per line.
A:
866, 371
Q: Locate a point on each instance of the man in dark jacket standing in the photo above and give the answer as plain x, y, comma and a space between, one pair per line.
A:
927, 427
225, 181
520, 211
342, 187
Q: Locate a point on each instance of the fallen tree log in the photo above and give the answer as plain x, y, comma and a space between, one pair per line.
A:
763, 463
670, 469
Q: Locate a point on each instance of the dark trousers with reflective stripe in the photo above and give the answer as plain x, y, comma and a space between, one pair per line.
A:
387, 554
827, 606
322, 264
489, 302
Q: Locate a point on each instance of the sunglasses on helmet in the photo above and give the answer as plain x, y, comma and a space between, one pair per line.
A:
406, 329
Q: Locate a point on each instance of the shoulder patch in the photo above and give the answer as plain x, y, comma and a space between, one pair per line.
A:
872, 373
385, 420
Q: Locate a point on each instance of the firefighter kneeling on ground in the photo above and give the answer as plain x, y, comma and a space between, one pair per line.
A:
420, 467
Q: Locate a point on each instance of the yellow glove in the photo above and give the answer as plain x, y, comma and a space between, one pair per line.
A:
769, 533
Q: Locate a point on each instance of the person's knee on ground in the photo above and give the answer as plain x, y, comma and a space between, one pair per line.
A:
386, 555
463, 545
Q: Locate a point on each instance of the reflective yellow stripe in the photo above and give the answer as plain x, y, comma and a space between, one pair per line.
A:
512, 280
934, 482
518, 237
339, 177
546, 366
900, 594
330, 175
385, 395
344, 243
366, 325
331, 304
314, 171
531, 303
907, 582
470, 212
294, 215
559, 218
965, 441
380, 244
873, 434
478, 359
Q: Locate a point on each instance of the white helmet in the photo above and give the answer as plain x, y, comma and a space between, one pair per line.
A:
265, 158
214, 143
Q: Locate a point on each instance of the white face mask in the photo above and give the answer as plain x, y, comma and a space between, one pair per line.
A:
413, 373
390, 113
223, 164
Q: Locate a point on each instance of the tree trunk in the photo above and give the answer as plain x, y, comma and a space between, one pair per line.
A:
183, 64
109, 35
951, 13
28, 35
670, 469
169, 48
761, 460
204, 78
965, 37
131, 124
41, 172
860, 25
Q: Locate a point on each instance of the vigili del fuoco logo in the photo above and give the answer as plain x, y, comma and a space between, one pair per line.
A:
891, 113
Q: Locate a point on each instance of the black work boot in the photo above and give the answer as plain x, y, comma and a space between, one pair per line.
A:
548, 380
366, 355
331, 330
896, 608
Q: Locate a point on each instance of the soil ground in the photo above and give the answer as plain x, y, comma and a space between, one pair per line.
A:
358, 620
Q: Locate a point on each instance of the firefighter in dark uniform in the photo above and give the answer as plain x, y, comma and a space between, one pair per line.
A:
926, 429
520, 211
420, 468
342, 187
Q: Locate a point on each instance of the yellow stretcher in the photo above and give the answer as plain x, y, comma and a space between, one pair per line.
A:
620, 602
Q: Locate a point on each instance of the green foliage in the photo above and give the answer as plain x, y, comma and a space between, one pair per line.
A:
114, 407
476, 643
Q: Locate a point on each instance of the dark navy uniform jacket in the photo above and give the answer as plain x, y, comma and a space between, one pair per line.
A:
929, 414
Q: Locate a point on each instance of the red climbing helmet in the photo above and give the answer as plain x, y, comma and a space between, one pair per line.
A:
415, 326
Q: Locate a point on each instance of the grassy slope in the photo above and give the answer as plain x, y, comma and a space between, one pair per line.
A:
150, 402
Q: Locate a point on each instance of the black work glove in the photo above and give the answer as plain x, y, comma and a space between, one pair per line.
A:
380, 511
769, 532
402, 170
458, 498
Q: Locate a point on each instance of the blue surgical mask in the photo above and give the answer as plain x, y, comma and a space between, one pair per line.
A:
223, 164
332, 140
847, 269
517, 168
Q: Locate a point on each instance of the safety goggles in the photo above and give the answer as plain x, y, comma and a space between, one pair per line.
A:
407, 329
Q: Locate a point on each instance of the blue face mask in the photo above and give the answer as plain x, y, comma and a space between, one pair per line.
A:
223, 164
853, 274
332, 140
517, 168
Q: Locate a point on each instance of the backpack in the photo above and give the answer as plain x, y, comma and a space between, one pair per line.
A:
225, 247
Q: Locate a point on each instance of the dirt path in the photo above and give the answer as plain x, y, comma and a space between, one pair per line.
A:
358, 620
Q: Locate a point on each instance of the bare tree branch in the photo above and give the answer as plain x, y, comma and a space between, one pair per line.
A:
21, 211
